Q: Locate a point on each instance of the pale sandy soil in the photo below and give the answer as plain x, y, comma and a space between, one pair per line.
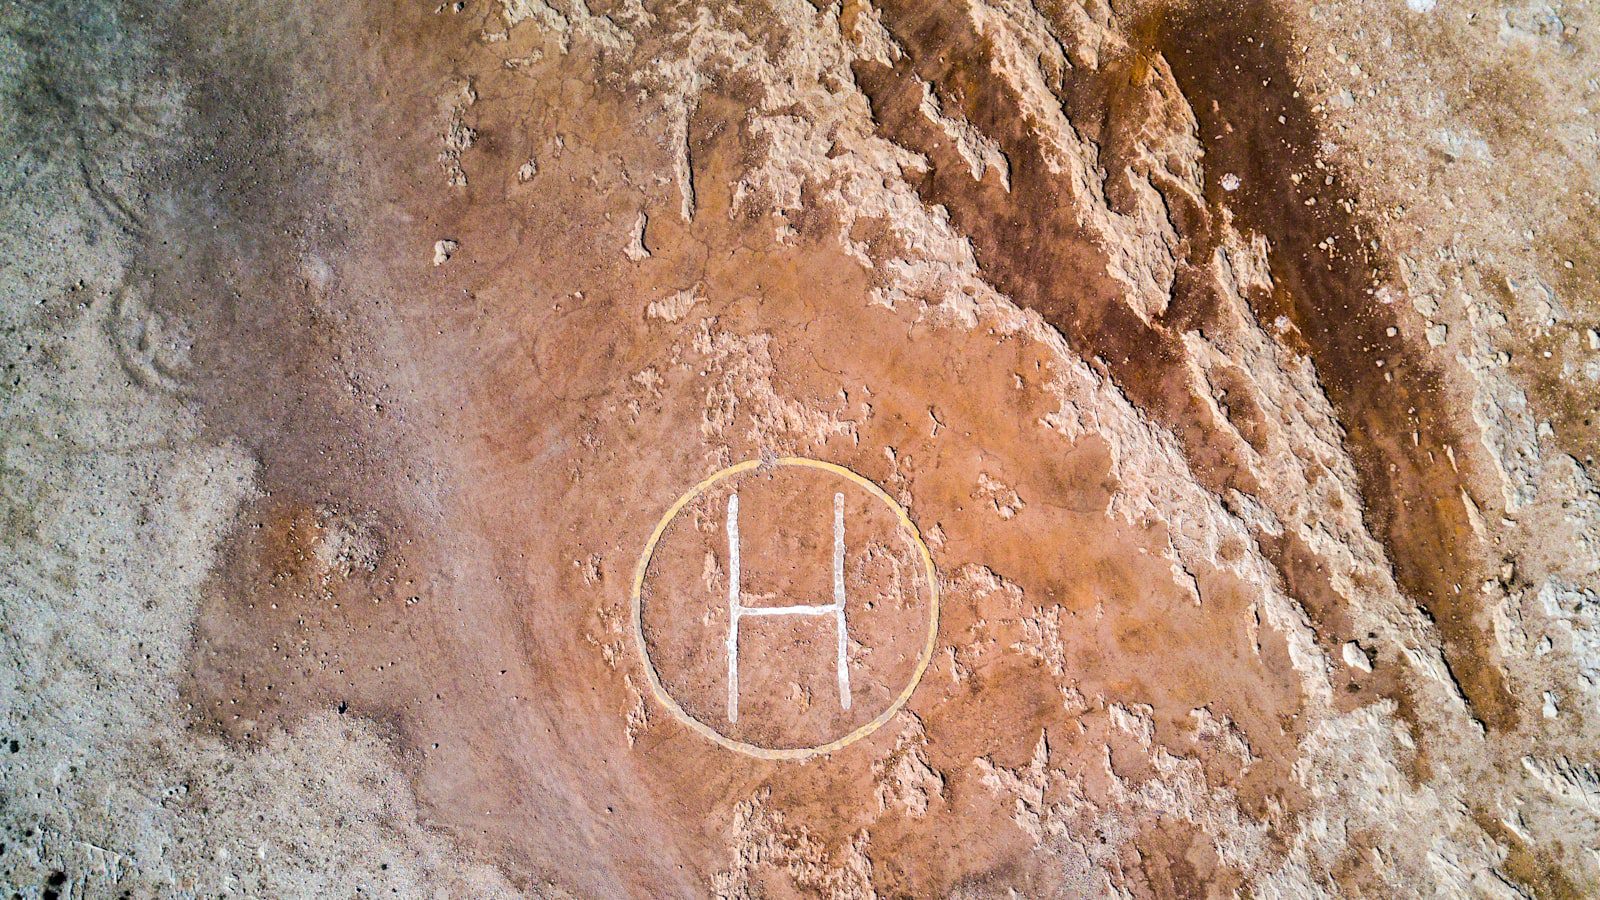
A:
1236, 364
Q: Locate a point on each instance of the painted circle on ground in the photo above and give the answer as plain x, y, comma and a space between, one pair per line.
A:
855, 608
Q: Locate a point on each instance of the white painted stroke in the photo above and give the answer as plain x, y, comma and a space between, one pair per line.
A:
737, 610
733, 608
838, 597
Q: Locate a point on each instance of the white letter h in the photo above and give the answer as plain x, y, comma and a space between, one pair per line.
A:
737, 610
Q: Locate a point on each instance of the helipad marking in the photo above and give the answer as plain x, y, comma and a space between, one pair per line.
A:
737, 610
904, 520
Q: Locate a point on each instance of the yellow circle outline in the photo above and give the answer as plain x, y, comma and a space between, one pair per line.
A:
707, 731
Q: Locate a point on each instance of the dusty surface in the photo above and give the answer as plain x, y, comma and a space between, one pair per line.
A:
1238, 363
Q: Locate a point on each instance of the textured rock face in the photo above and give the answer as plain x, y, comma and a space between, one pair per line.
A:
1234, 366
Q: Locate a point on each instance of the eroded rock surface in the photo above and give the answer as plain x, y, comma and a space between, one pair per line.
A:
1234, 366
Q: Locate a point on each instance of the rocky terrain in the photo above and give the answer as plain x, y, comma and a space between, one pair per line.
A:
413, 416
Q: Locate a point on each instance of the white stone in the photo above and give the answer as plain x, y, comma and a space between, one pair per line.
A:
1355, 657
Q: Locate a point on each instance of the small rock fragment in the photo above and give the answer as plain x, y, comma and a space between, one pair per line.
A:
1355, 657
636, 250
443, 250
672, 308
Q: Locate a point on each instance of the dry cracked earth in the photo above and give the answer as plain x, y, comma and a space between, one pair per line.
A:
848, 448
